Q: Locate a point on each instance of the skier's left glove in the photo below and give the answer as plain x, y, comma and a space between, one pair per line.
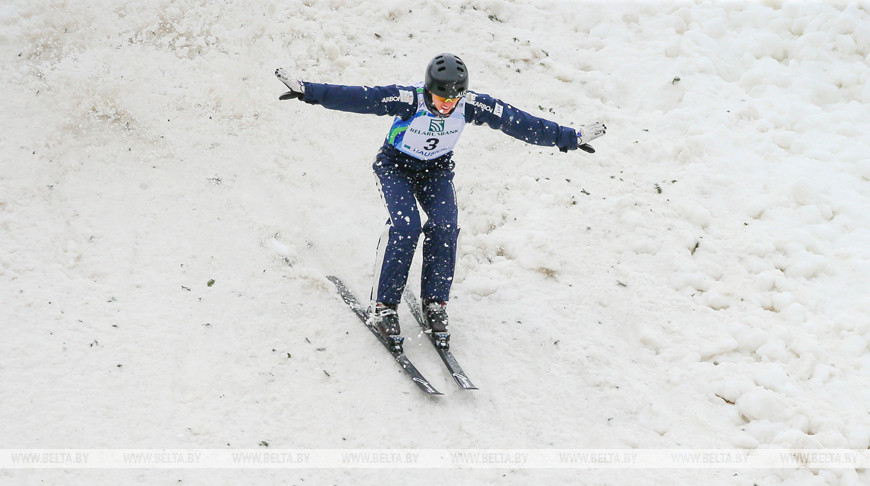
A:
296, 87
588, 133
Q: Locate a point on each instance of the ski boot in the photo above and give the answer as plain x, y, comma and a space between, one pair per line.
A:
385, 318
435, 316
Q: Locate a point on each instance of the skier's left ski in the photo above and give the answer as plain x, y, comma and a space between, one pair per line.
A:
452, 365
360, 311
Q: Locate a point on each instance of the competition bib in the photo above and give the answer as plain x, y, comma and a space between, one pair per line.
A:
427, 136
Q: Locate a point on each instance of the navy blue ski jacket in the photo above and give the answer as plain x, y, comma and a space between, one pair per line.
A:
480, 109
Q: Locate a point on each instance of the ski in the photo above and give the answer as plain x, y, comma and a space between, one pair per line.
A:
452, 365
360, 311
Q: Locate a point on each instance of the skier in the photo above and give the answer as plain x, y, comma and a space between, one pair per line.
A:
415, 164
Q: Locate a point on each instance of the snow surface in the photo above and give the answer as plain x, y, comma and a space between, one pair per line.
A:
700, 282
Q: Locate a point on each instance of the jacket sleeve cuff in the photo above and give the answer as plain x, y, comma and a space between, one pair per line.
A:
567, 139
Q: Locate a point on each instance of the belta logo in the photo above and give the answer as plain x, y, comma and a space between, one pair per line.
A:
436, 125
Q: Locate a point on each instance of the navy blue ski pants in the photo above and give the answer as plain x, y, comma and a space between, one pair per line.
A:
402, 185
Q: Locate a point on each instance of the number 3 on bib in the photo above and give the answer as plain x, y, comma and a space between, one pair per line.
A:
433, 142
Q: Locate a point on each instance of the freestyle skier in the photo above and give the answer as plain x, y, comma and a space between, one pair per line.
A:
415, 164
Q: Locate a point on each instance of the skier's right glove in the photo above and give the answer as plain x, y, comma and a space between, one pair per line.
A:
588, 133
296, 87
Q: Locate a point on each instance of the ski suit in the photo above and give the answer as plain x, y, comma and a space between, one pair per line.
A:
415, 163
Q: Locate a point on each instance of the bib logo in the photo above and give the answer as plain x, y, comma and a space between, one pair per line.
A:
436, 125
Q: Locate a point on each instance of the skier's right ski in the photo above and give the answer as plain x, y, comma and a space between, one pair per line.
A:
399, 355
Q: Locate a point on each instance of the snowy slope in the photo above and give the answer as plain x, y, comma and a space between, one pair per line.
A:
700, 282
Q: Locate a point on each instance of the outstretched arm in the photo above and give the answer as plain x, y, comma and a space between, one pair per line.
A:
484, 109
377, 100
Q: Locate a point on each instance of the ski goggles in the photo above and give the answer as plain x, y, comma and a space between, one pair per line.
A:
447, 102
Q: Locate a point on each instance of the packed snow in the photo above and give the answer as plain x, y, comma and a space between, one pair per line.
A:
701, 282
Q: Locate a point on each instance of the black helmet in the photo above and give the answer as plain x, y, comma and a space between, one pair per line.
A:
446, 76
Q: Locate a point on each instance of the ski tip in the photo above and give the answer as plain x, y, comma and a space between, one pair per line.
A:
464, 382
426, 387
